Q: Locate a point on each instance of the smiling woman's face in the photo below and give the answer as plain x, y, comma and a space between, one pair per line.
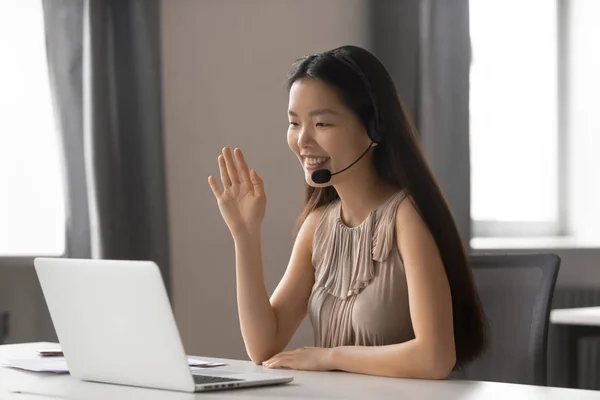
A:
323, 132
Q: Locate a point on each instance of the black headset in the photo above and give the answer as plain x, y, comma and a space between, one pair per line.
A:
322, 176
373, 125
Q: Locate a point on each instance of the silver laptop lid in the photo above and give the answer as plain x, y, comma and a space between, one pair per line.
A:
114, 322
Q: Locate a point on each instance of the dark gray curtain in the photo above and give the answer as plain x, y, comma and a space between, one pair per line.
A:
104, 65
425, 45
64, 27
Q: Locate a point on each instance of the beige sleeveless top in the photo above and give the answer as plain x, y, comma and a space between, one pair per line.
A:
360, 295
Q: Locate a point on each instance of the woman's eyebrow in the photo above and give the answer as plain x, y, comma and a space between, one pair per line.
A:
313, 113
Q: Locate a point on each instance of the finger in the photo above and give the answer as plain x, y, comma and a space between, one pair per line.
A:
276, 358
231, 168
243, 167
215, 188
277, 364
257, 182
224, 174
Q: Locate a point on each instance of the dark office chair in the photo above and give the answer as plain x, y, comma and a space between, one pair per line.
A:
3, 326
516, 292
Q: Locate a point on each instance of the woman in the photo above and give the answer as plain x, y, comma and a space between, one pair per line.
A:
378, 263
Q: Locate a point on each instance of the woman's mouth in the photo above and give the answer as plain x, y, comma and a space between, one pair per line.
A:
314, 163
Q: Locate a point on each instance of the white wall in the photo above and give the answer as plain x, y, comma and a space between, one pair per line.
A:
224, 68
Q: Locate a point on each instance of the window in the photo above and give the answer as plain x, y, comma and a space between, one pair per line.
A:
583, 122
535, 129
514, 120
32, 208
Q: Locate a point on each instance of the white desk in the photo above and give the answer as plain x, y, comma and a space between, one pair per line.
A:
306, 385
576, 323
586, 316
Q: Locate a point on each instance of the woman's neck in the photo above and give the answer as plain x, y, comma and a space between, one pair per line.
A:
361, 193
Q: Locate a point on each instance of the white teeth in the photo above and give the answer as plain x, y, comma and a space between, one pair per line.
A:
316, 160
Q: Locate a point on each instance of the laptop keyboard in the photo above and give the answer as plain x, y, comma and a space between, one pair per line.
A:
202, 379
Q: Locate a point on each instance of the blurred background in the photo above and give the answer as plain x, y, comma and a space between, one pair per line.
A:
112, 114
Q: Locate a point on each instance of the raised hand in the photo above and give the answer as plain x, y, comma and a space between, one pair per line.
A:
242, 200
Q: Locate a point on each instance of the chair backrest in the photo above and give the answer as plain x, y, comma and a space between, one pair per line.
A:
516, 292
3, 326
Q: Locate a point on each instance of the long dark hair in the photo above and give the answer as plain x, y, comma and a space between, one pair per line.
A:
367, 88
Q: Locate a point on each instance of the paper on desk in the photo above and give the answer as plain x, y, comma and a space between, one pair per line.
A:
59, 364
193, 362
54, 364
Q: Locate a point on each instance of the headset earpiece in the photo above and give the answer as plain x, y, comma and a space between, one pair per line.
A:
373, 133
373, 126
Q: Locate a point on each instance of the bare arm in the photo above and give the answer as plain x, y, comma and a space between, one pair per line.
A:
431, 354
268, 325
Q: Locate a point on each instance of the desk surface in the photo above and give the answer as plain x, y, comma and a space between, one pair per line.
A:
313, 385
589, 316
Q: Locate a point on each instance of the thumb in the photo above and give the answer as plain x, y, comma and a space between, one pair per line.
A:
257, 182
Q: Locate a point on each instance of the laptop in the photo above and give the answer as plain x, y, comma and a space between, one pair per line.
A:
115, 325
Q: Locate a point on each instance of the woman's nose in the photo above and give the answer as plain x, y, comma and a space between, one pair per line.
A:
305, 137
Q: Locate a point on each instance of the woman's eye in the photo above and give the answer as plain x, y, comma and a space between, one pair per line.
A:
293, 124
323, 124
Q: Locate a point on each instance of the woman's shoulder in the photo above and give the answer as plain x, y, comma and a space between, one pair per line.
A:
316, 217
314, 223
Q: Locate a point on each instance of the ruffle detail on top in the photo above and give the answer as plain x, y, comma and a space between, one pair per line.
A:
344, 257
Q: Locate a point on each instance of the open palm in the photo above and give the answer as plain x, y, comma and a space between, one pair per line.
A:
242, 200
